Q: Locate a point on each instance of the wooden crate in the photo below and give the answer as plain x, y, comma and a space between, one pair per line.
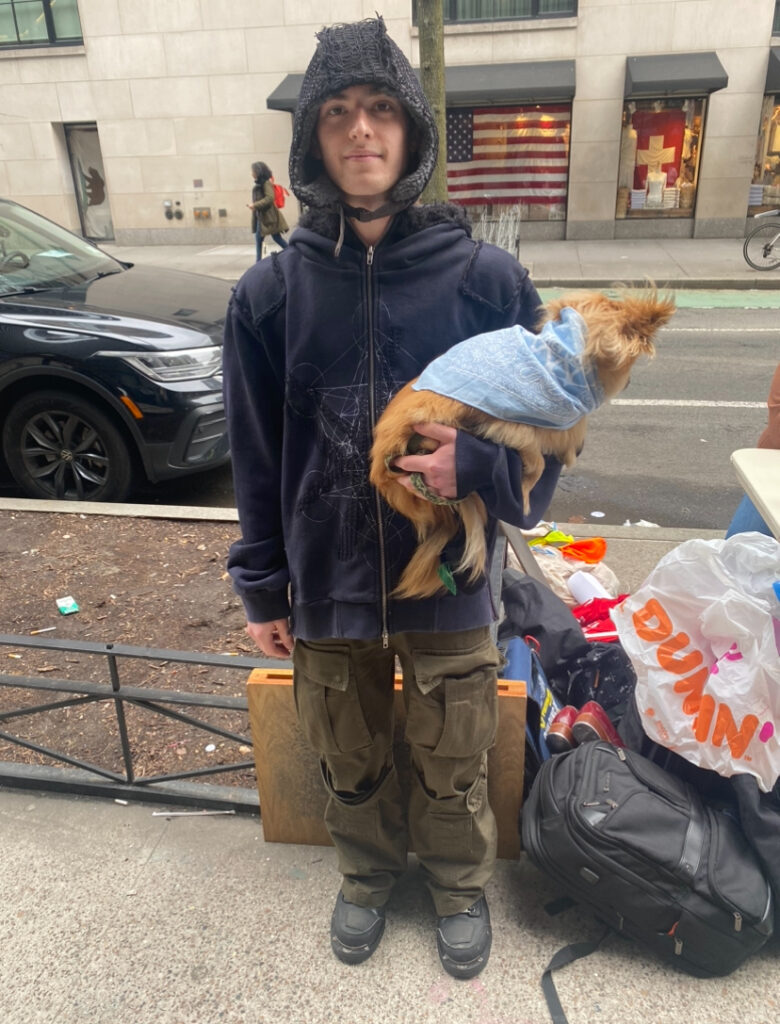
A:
292, 793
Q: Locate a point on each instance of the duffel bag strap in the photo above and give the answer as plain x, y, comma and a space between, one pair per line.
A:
566, 955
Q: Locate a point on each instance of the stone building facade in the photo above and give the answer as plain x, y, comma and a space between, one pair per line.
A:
138, 120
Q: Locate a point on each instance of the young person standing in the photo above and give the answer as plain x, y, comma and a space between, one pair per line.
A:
317, 340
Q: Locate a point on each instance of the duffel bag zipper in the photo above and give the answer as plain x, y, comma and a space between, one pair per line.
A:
581, 830
657, 893
738, 916
636, 770
604, 861
584, 829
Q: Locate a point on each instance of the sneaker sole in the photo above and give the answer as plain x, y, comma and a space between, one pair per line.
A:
587, 728
355, 954
559, 742
467, 970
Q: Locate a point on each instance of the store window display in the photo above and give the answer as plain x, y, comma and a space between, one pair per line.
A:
659, 157
765, 185
509, 161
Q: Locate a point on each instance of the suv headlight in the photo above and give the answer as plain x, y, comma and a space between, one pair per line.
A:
178, 364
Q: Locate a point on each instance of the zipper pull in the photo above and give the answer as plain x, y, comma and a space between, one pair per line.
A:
385, 639
678, 946
620, 753
370, 255
737, 921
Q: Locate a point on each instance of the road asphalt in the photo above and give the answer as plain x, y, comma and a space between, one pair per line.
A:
114, 916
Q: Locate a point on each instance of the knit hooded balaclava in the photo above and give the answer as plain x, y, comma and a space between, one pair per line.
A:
361, 53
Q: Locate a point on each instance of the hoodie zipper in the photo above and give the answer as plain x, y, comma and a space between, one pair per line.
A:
373, 419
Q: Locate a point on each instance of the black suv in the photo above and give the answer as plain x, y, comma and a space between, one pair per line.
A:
109, 372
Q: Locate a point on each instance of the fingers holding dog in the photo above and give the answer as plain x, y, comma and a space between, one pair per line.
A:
437, 467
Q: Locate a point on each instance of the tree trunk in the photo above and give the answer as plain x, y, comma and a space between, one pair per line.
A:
430, 19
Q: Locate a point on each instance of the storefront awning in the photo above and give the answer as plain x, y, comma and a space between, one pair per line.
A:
773, 71
674, 74
477, 84
285, 95
525, 81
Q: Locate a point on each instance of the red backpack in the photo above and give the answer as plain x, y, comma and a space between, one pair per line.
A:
279, 194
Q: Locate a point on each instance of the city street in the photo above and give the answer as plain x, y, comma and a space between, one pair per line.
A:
660, 452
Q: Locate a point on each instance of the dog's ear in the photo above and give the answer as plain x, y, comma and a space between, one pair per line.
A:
643, 315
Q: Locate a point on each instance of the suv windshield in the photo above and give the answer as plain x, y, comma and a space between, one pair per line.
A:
35, 253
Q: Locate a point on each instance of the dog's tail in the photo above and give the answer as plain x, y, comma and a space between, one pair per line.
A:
421, 576
474, 515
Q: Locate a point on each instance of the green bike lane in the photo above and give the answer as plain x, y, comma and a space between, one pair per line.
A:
702, 298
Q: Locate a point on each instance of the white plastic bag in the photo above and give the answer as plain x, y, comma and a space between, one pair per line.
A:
703, 633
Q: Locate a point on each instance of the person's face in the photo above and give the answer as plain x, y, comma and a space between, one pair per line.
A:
362, 139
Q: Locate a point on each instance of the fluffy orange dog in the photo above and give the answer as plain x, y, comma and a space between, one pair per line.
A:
614, 333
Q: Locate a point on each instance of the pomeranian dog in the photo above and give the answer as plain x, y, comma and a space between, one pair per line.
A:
602, 339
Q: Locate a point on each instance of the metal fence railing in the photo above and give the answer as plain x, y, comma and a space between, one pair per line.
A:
76, 775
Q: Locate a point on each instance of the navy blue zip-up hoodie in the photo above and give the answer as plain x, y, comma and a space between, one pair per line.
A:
315, 346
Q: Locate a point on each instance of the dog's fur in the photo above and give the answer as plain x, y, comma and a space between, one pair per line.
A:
618, 332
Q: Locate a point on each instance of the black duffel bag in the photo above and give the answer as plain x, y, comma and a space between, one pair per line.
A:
650, 858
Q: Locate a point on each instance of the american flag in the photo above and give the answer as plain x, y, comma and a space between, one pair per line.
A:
508, 155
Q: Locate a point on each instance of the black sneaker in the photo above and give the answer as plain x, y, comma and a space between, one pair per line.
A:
355, 931
464, 940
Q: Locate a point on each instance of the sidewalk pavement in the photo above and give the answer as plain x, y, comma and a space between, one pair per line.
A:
677, 262
113, 916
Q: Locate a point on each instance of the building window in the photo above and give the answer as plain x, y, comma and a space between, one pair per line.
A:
456, 11
776, 22
39, 23
765, 184
509, 157
659, 157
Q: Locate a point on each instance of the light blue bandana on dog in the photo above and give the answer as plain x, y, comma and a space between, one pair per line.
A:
518, 376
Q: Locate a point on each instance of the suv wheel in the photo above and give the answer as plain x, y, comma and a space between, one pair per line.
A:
64, 447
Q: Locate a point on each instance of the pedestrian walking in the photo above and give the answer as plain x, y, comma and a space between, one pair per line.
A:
267, 218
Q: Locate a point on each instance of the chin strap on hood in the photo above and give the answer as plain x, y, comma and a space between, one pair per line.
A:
340, 239
388, 209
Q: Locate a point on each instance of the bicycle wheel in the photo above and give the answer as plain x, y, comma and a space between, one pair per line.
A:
762, 246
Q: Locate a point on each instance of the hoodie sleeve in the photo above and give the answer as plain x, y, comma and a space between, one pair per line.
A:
495, 473
254, 398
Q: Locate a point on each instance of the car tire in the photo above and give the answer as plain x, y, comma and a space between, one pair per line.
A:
64, 447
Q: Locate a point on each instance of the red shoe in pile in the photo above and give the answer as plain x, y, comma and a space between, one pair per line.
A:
572, 726
592, 723
560, 737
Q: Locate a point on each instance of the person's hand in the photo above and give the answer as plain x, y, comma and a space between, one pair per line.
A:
273, 638
437, 467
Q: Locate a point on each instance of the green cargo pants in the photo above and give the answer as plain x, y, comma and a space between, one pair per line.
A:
344, 696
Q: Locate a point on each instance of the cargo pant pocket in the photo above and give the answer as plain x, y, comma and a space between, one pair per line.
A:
326, 698
458, 717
